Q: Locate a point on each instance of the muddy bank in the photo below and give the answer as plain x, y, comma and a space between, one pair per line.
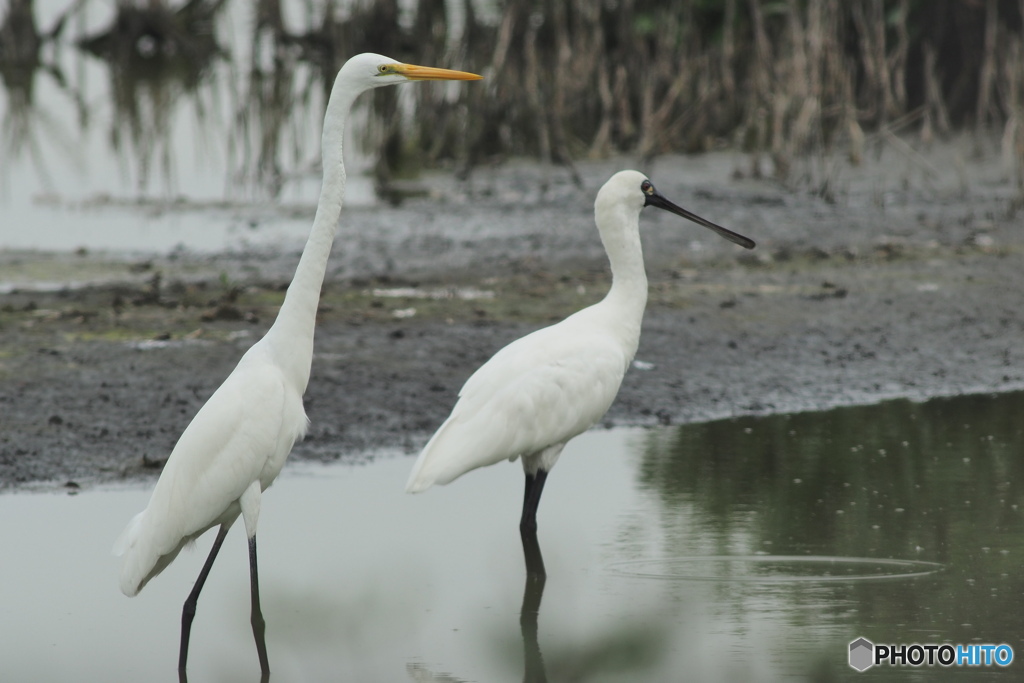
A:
893, 289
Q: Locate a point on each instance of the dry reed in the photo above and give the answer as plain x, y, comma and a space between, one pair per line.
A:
570, 79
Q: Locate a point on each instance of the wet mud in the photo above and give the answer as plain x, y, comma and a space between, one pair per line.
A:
882, 292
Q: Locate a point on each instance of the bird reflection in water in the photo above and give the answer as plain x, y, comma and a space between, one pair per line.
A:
533, 592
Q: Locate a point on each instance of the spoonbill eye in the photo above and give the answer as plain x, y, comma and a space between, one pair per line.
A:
646, 187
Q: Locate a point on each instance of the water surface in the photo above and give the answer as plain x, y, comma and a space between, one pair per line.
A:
752, 549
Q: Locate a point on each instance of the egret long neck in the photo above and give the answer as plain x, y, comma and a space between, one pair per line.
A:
620, 234
291, 335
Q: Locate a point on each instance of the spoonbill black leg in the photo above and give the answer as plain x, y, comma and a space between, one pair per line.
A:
531, 499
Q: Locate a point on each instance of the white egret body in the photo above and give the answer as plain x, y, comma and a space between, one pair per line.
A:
543, 389
237, 443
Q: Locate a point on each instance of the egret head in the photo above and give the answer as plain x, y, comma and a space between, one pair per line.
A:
635, 190
370, 70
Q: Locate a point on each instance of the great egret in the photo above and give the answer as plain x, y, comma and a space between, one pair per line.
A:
238, 441
543, 389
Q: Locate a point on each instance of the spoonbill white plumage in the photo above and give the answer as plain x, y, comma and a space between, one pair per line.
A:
543, 389
237, 443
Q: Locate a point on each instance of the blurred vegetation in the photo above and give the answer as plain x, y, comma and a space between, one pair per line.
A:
571, 79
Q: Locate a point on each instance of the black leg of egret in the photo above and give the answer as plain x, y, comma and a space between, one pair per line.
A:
531, 499
259, 626
533, 592
188, 612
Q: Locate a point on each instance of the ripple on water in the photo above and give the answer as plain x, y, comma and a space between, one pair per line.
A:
774, 568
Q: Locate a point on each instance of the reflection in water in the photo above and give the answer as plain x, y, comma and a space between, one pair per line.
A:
262, 122
569, 80
906, 469
253, 87
529, 615
19, 60
941, 481
533, 592
21, 47
157, 57
154, 40
401, 598
20, 42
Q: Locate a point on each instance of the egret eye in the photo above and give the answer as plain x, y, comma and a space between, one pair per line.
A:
646, 187
383, 68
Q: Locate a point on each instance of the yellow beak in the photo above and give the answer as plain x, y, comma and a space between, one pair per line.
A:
430, 73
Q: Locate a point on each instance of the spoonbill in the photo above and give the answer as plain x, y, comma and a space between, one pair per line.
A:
543, 389
237, 443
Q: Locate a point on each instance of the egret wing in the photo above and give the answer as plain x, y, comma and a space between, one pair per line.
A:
243, 433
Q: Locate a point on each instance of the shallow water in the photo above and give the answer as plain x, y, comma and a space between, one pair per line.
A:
751, 549
161, 163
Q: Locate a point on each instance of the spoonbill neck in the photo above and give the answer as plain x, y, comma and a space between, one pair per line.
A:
620, 234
